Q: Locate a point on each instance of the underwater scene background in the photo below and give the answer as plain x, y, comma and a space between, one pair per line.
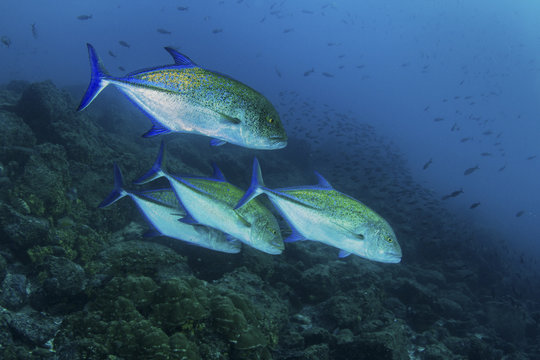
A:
426, 111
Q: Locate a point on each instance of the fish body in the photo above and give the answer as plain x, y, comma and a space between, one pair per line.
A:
211, 201
34, 31
426, 165
321, 213
453, 194
123, 43
469, 171
6, 41
189, 99
163, 211
475, 205
309, 72
163, 31
84, 17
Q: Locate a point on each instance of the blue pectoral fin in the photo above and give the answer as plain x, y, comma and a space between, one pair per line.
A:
217, 142
180, 59
156, 130
188, 220
343, 253
155, 172
256, 187
118, 191
98, 80
295, 236
231, 239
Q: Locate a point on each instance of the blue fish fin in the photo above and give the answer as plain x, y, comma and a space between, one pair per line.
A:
156, 130
295, 236
217, 142
180, 59
155, 172
152, 233
118, 191
189, 220
218, 175
343, 253
256, 187
98, 80
323, 183
231, 239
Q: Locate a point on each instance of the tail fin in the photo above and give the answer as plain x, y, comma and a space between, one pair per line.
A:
155, 172
98, 80
256, 188
118, 191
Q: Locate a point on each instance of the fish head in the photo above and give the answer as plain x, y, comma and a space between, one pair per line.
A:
266, 235
381, 243
262, 127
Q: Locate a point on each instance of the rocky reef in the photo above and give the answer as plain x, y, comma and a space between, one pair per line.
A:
77, 282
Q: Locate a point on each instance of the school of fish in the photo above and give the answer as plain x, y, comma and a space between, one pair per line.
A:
211, 212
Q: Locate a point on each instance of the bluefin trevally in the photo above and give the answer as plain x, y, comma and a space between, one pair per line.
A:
187, 98
162, 210
211, 201
323, 214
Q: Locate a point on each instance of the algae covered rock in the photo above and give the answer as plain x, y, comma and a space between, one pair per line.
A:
34, 326
15, 133
265, 308
317, 283
13, 291
42, 105
173, 318
51, 113
183, 305
136, 257
22, 231
3, 268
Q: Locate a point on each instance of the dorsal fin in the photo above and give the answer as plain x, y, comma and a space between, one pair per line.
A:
323, 183
179, 59
218, 175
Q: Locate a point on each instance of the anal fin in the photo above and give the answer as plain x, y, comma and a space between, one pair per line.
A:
156, 130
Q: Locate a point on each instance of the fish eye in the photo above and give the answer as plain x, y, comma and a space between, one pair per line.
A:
389, 239
270, 120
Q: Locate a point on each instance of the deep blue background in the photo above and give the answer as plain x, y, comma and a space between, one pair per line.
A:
405, 63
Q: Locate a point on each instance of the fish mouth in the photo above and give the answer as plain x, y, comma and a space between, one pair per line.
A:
273, 251
278, 142
392, 260
392, 257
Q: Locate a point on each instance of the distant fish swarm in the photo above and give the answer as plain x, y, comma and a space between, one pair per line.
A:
212, 213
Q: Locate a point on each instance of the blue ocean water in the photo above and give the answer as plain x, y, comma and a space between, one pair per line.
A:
396, 66
446, 86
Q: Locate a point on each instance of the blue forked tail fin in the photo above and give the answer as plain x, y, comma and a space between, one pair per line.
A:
155, 172
98, 81
118, 191
256, 188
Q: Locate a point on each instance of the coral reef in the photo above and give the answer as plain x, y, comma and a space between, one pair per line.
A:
77, 282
